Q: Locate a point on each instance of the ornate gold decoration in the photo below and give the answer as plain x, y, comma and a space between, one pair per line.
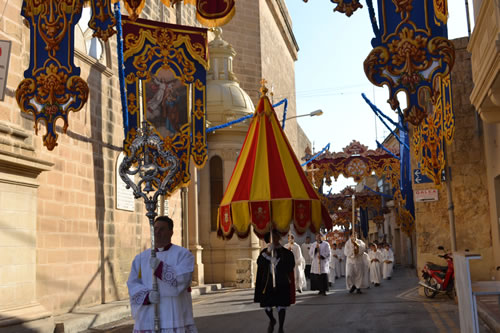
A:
102, 20
410, 53
347, 7
52, 86
435, 130
151, 47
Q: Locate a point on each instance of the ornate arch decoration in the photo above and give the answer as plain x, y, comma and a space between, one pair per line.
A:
355, 161
358, 162
167, 63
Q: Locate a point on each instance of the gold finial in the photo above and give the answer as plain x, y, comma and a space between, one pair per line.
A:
263, 88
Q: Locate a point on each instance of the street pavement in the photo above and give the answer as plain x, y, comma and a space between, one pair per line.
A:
395, 306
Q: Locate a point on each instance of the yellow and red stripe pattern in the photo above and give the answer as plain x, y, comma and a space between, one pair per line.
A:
268, 188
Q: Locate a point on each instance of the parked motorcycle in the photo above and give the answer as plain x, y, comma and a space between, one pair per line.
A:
439, 279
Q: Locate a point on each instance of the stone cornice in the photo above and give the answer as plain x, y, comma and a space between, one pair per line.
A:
282, 17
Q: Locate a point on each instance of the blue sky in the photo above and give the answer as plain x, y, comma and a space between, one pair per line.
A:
329, 73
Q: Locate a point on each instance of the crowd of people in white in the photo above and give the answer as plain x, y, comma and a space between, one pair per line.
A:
323, 262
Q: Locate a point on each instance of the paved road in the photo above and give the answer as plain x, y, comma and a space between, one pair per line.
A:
395, 306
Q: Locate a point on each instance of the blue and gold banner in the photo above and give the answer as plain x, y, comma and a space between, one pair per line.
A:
165, 72
52, 86
102, 20
438, 128
410, 53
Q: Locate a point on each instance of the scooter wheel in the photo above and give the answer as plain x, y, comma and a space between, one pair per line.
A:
428, 292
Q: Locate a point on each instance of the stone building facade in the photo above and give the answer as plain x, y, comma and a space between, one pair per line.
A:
467, 159
64, 243
485, 96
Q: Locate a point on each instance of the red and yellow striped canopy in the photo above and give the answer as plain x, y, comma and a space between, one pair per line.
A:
268, 188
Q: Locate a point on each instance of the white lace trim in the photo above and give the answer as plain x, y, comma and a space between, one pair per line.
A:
185, 329
168, 275
138, 297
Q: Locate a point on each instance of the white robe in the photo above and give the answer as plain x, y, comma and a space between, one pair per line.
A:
175, 307
387, 266
305, 247
343, 261
338, 263
355, 264
333, 266
318, 265
300, 265
375, 266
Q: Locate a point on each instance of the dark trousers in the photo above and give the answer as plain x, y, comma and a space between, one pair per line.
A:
308, 271
319, 282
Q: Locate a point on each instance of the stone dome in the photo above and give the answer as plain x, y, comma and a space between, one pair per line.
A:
226, 100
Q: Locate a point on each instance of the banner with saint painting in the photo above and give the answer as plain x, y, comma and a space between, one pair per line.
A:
165, 78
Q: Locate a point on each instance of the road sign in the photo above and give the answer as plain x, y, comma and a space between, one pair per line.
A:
420, 178
426, 195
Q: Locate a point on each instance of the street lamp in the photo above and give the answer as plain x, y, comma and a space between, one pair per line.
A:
318, 112
311, 114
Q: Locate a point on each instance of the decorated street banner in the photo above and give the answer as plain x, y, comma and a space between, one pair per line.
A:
437, 128
210, 13
411, 53
52, 86
165, 78
102, 20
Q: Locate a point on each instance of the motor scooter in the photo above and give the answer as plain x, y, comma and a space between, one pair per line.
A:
439, 279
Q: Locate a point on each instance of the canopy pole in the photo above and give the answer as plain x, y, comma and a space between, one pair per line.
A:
273, 266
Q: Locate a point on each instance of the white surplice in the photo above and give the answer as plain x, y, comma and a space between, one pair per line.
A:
376, 258
388, 263
175, 307
318, 265
355, 264
300, 265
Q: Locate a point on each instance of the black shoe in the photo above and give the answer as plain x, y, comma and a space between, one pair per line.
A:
319, 292
389, 278
299, 291
352, 289
377, 284
337, 277
272, 321
324, 293
270, 328
358, 291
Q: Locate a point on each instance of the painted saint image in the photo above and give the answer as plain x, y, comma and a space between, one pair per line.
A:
166, 103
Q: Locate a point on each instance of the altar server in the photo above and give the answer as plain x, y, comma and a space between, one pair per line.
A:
320, 266
354, 250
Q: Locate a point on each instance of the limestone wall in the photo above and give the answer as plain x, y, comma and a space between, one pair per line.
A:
467, 160
80, 247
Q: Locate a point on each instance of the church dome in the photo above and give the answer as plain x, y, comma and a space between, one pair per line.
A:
226, 100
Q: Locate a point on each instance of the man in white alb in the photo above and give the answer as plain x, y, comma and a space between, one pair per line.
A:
305, 247
300, 280
354, 252
173, 267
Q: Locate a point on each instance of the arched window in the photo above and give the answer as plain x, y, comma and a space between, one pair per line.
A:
93, 46
216, 189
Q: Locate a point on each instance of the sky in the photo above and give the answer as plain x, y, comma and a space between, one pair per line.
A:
329, 73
